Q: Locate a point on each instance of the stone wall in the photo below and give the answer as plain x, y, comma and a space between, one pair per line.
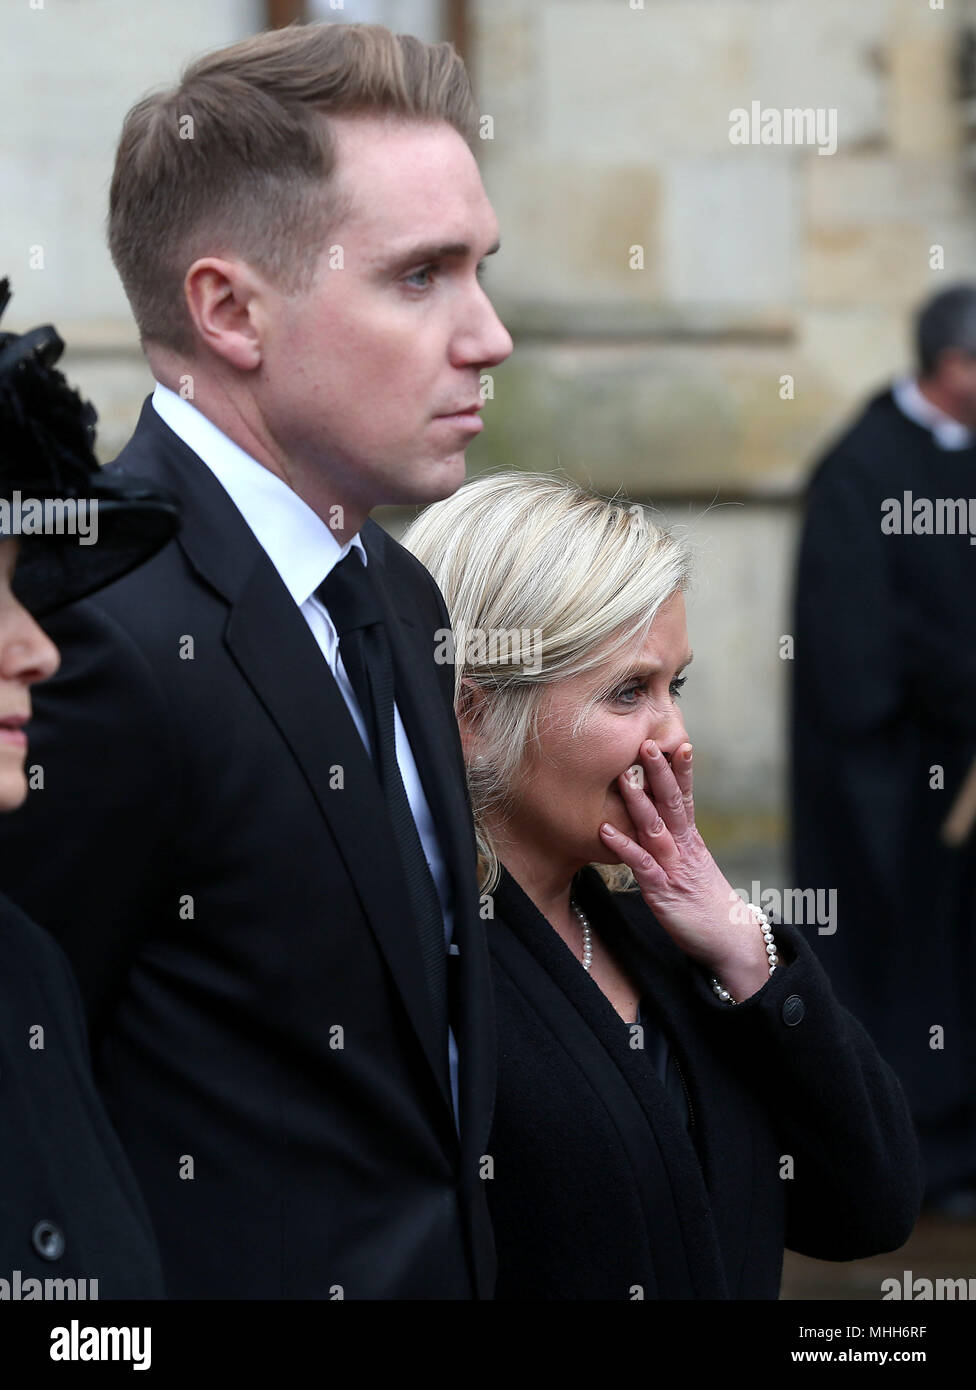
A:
610, 131
660, 281
69, 71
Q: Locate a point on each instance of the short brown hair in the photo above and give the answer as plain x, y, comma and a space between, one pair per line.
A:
237, 158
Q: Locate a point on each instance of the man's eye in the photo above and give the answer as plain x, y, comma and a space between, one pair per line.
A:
424, 274
676, 686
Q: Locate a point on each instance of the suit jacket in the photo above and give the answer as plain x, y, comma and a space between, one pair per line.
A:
795, 1132
70, 1209
212, 848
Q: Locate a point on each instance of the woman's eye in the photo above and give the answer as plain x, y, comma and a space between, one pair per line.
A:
629, 694
628, 691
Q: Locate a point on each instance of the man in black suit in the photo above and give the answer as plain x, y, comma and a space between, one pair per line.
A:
302, 1085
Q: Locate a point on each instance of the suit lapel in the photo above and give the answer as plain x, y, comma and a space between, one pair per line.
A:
281, 660
273, 647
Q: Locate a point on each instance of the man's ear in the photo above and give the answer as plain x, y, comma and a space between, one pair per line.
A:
220, 299
471, 705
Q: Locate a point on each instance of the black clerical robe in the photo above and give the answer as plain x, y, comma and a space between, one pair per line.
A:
883, 733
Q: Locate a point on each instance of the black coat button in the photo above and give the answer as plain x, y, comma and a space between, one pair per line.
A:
48, 1240
793, 1010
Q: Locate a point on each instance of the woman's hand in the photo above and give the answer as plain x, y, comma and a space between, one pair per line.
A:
680, 881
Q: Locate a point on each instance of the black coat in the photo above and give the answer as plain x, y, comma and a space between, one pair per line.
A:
212, 849
883, 732
601, 1192
70, 1208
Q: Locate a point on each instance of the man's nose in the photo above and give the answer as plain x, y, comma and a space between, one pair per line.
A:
500, 344
484, 340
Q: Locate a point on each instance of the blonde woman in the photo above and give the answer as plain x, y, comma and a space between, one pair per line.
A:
679, 1094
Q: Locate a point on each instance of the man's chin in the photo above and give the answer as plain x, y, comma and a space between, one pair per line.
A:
420, 483
443, 478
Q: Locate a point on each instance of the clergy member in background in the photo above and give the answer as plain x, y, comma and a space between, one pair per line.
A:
884, 730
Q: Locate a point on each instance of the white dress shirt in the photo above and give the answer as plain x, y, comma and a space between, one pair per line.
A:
304, 551
947, 432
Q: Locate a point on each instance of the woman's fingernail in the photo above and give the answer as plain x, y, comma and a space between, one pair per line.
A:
608, 830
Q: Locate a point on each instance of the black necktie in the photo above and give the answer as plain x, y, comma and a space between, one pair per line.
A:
352, 605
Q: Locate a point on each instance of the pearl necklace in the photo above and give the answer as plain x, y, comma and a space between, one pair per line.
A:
587, 934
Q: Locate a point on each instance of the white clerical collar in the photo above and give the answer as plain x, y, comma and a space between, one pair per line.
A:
297, 541
947, 432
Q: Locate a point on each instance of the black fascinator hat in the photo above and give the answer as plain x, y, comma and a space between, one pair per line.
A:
79, 528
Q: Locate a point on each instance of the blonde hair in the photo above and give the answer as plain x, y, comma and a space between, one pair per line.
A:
570, 581
239, 157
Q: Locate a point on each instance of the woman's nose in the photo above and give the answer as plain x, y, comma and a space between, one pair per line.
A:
27, 654
668, 732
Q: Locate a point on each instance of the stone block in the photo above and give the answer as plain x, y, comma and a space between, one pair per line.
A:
872, 263
567, 232
853, 189
505, 68
924, 115
615, 82
659, 419
824, 55
856, 350
66, 92
730, 228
